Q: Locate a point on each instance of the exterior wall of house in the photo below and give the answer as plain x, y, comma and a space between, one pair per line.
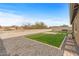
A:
74, 19
75, 28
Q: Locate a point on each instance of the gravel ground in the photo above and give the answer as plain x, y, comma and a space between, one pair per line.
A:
2, 49
20, 46
10, 34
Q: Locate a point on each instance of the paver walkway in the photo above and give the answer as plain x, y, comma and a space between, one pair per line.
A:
26, 47
70, 47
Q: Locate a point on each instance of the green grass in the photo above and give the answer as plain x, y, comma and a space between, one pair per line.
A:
51, 39
59, 31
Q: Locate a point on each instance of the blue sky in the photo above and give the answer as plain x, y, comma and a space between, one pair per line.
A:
52, 14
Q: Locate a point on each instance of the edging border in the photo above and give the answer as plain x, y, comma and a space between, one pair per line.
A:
63, 42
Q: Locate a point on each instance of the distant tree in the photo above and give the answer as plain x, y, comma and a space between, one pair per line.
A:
14, 26
65, 26
0, 26
26, 26
39, 25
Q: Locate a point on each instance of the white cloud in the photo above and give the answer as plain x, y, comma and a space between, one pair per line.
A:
53, 21
11, 19
8, 19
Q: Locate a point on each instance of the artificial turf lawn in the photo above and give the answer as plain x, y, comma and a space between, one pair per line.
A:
51, 39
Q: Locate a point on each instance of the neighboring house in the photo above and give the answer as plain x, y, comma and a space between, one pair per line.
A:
74, 16
60, 28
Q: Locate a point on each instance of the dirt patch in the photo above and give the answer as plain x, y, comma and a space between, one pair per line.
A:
50, 33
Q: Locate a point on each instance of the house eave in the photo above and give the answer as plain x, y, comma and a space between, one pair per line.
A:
73, 11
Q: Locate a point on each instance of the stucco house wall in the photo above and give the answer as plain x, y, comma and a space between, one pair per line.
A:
75, 22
